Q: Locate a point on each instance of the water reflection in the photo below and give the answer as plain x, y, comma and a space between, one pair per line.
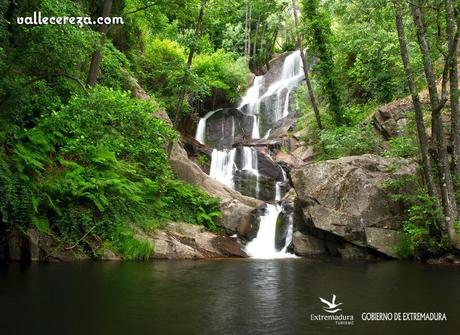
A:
221, 297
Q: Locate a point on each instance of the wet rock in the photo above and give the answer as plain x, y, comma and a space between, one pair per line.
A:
347, 198
308, 246
282, 227
352, 252
228, 247
186, 241
53, 250
228, 126
248, 230
109, 255
24, 246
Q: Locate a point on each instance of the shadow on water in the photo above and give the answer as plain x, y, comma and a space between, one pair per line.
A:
222, 297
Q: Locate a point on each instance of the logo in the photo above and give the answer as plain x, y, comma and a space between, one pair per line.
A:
331, 306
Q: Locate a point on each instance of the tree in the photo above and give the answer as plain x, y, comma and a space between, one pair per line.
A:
96, 59
436, 105
421, 132
189, 61
318, 32
452, 42
311, 94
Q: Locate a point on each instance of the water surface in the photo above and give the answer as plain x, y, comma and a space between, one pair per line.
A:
222, 297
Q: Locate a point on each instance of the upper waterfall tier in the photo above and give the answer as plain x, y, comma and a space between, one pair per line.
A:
267, 101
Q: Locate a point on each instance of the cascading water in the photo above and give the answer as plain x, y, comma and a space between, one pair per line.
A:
222, 166
276, 98
201, 128
249, 160
263, 245
251, 101
276, 103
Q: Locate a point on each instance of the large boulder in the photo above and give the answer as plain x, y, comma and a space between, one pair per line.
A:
31, 245
186, 241
347, 197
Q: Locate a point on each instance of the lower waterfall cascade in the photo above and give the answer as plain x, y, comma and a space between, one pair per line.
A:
242, 161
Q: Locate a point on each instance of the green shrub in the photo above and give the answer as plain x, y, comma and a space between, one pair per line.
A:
346, 141
184, 202
161, 69
202, 160
222, 72
401, 147
421, 237
114, 68
95, 169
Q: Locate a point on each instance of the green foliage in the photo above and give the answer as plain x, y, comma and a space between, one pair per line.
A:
130, 246
46, 64
222, 72
319, 41
114, 68
346, 141
207, 219
96, 167
367, 50
184, 202
402, 147
202, 160
422, 236
161, 69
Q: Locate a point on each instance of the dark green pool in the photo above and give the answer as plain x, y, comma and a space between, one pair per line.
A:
223, 297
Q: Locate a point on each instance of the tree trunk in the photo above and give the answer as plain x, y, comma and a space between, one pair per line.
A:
189, 62
246, 29
453, 86
254, 49
305, 68
249, 32
96, 59
421, 132
271, 46
447, 188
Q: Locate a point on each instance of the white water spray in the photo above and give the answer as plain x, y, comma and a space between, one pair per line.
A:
201, 128
263, 245
222, 166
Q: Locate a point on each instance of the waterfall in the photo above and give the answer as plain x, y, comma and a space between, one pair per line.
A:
201, 128
263, 245
251, 100
275, 101
222, 165
250, 164
289, 234
252, 94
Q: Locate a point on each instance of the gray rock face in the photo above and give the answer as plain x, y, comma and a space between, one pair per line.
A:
228, 126
186, 241
308, 246
347, 197
31, 246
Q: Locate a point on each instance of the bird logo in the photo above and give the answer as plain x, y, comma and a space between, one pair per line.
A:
331, 306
